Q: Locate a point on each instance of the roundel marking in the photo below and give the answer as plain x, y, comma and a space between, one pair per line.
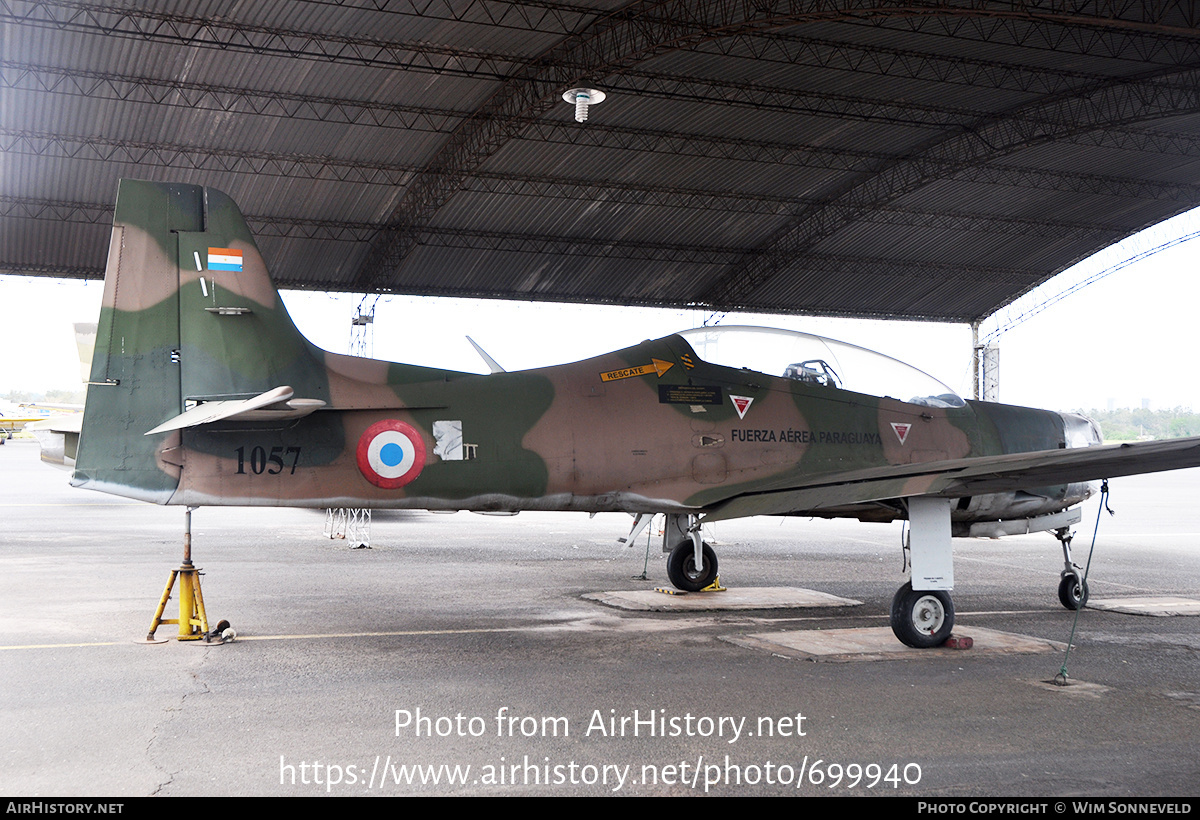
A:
391, 453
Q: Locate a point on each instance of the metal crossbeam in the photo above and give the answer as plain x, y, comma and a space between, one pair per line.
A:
1042, 122
612, 47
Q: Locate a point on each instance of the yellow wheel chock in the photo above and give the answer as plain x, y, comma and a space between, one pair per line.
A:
715, 586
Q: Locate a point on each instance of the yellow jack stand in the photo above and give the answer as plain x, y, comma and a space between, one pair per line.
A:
192, 620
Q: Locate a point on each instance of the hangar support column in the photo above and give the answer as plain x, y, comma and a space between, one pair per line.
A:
986, 367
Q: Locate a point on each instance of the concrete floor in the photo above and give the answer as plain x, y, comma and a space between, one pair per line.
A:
466, 618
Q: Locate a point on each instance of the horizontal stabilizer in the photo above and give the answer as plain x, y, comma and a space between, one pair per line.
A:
277, 403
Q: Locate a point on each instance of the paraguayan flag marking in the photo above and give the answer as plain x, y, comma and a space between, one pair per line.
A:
229, 259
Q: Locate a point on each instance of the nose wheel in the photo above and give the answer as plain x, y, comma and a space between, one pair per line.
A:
1072, 591
922, 618
1073, 588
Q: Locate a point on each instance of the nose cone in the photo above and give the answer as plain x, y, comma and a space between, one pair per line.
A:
1080, 431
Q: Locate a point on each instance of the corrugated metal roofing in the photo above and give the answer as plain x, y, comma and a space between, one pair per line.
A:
845, 157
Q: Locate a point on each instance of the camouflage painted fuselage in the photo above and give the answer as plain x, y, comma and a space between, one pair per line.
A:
652, 428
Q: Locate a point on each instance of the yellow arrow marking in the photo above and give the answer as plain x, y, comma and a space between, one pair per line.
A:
657, 366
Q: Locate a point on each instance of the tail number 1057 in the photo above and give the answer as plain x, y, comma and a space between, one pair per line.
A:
273, 462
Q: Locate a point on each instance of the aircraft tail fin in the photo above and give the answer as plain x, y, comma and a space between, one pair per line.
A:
189, 316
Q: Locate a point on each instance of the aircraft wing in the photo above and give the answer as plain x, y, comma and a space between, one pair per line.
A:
956, 478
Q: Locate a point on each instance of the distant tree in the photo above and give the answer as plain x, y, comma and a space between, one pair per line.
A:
1125, 424
66, 396
22, 396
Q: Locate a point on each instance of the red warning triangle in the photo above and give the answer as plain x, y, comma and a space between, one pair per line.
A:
901, 430
741, 404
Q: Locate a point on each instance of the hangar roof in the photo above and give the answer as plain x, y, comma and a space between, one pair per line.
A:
931, 159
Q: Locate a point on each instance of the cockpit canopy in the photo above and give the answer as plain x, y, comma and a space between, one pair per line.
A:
819, 361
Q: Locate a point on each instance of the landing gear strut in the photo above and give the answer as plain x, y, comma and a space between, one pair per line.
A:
922, 618
1072, 589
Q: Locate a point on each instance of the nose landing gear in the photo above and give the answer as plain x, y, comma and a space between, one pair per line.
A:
1073, 588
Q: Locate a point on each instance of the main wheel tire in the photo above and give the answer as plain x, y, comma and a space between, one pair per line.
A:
1073, 592
681, 567
922, 618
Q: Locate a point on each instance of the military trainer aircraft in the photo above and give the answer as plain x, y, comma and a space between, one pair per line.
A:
203, 392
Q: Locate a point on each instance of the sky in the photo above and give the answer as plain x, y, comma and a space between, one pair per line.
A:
1122, 340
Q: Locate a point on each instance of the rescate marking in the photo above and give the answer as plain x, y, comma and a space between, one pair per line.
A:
901, 430
657, 366
391, 453
741, 404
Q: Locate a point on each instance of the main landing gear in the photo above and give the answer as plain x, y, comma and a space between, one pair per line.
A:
922, 618
691, 563
1072, 589
681, 567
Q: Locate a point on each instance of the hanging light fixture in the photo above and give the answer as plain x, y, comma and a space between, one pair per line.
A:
581, 98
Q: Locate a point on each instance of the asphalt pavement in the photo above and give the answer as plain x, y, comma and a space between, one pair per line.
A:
459, 655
